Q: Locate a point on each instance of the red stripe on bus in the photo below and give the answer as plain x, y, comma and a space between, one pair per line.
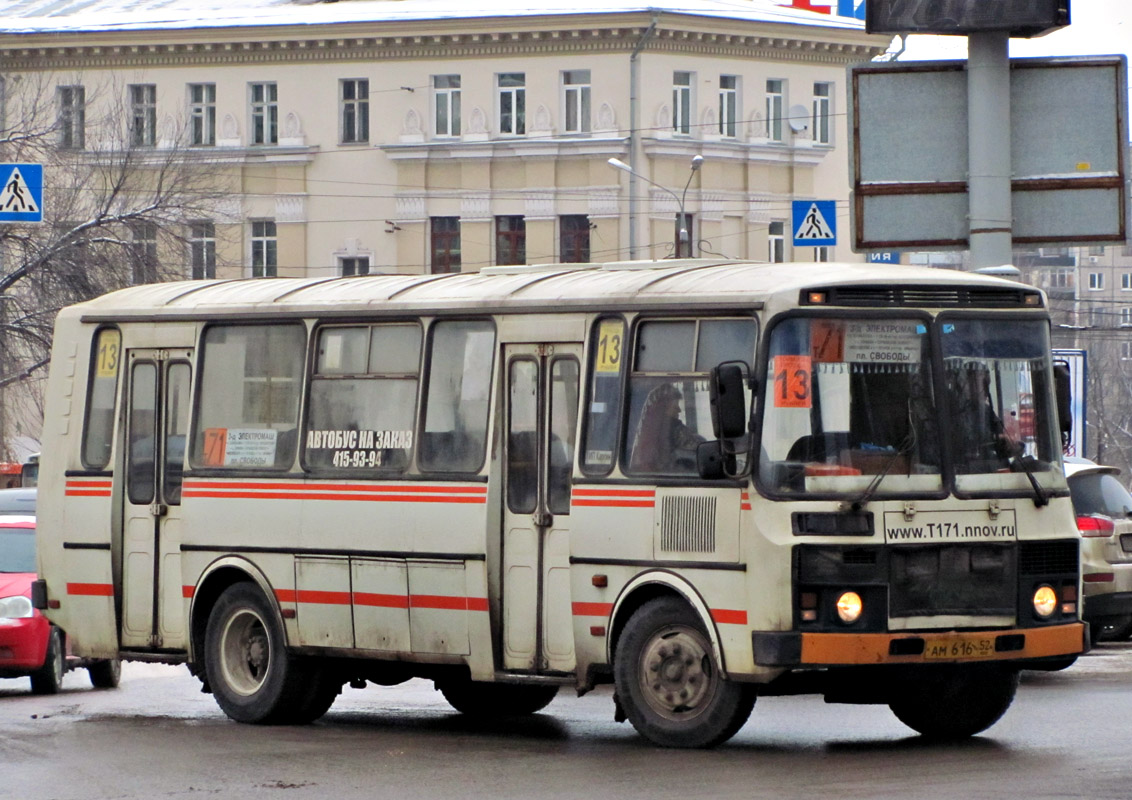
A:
76, 484
650, 503
580, 492
188, 591
403, 488
285, 595
381, 600
438, 601
727, 616
308, 495
87, 493
744, 501
592, 609
477, 604
90, 589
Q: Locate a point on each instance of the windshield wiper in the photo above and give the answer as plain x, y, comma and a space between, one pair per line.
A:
906, 447
1019, 463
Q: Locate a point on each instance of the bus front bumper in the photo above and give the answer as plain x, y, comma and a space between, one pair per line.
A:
796, 649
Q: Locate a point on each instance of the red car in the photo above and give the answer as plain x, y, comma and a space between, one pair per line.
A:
29, 644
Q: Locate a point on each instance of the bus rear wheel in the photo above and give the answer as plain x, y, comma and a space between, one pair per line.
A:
668, 683
948, 703
251, 675
486, 700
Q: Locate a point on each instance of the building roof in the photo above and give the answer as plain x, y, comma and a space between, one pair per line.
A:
74, 16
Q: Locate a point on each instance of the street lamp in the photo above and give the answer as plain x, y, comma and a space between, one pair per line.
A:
682, 236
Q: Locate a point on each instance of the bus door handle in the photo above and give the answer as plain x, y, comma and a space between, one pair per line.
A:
158, 509
542, 519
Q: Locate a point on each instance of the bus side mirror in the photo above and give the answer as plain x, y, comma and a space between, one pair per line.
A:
1063, 386
712, 463
728, 400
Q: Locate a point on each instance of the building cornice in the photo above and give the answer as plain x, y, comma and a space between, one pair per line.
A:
358, 42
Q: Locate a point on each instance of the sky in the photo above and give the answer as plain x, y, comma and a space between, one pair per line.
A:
1097, 27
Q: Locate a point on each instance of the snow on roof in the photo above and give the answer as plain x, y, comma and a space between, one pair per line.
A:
73, 16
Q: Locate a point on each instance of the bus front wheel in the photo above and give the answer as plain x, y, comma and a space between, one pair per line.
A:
252, 676
668, 683
956, 702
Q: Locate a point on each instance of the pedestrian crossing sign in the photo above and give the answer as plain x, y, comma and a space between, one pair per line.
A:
21, 193
815, 223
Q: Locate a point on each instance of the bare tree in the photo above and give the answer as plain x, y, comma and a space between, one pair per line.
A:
116, 206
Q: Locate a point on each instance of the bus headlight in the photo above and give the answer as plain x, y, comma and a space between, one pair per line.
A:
849, 607
1045, 601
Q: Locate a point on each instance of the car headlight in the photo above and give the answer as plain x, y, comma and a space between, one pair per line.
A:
18, 607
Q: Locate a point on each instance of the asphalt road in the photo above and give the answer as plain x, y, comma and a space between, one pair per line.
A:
157, 736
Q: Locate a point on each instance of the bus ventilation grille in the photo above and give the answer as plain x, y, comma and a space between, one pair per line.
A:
926, 296
1048, 558
687, 524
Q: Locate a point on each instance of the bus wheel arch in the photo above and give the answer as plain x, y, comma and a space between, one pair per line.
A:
215, 579
651, 586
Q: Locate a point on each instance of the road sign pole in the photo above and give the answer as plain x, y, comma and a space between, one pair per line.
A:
988, 149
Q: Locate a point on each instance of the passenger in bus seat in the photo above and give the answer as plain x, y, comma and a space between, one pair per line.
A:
663, 443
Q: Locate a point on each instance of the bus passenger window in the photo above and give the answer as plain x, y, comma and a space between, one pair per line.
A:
247, 417
459, 386
604, 409
101, 392
363, 398
669, 404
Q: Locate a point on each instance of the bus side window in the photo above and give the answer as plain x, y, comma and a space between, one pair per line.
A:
102, 393
604, 401
247, 417
459, 387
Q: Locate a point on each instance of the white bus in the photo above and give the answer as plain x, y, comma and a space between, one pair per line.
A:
700, 481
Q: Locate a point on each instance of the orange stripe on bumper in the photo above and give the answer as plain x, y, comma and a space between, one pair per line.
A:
873, 648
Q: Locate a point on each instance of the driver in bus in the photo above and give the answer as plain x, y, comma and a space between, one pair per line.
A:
663, 443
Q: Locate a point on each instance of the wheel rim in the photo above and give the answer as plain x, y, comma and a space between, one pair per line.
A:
676, 674
245, 652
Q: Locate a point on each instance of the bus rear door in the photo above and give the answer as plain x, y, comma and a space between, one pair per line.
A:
542, 410
157, 414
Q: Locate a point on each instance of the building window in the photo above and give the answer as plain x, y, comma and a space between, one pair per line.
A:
265, 113
576, 99
574, 237
265, 258
202, 249
728, 105
512, 103
357, 265
775, 103
1096, 250
1126, 281
821, 116
355, 110
684, 234
72, 117
1126, 317
776, 242
446, 91
682, 102
1126, 351
1096, 281
1061, 279
202, 114
143, 115
445, 232
510, 240
143, 256
823, 254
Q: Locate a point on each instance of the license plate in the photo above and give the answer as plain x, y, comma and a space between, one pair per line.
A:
973, 647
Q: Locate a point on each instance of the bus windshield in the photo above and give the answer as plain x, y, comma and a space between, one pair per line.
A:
853, 407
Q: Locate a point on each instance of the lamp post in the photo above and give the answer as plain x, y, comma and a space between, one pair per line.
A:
682, 238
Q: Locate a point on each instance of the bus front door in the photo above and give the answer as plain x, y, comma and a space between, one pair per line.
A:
542, 412
157, 413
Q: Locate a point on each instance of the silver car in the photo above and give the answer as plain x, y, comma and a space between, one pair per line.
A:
1104, 518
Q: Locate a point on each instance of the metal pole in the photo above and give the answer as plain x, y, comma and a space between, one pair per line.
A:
988, 149
634, 135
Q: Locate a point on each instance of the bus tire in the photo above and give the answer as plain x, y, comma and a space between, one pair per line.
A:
485, 700
105, 673
950, 703
252, 677
48, 679
668, 684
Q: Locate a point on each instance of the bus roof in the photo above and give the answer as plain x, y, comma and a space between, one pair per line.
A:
686, 283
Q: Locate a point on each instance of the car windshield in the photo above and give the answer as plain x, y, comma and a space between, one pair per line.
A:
853, 406
1100, 493
17, 548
